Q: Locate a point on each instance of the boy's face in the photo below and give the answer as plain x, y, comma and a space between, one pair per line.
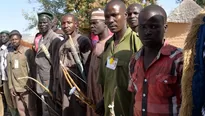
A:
151, 28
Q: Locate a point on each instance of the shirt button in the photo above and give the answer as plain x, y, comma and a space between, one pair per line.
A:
165, 81
143, 110
144, 95
145, 80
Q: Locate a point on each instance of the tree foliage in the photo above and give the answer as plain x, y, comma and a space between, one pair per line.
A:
199, 2
81, 8
32, 20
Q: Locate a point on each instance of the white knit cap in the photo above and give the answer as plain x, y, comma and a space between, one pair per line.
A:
98, 14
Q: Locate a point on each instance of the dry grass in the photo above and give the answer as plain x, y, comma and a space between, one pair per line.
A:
188, 68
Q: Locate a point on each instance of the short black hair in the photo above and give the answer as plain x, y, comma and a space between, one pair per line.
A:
119, 2
135, 5
72, 15
156, 8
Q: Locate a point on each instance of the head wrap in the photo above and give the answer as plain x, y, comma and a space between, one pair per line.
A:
15, 32
46, 14
98, 14
5, 31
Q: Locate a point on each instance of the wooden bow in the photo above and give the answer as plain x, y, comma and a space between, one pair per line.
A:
38, 83
78, 93
27, 87
76, 57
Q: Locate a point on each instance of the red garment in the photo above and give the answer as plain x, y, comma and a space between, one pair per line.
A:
95, 38
158, 90
166, 42
36, 41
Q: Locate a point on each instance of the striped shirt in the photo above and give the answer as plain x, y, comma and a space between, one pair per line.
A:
3, 61
158, 90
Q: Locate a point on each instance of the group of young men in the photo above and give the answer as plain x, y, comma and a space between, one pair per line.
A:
129, 71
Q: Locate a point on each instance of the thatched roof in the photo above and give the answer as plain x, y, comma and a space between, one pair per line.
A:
185, 12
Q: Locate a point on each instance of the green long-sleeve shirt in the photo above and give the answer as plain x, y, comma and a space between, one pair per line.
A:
115, 82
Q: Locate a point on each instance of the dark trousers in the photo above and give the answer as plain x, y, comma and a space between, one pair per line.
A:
73, 107
53, 109
39, 107
5, 104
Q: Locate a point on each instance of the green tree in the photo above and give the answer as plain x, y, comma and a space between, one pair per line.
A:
199, 2
81, 8
57, 7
